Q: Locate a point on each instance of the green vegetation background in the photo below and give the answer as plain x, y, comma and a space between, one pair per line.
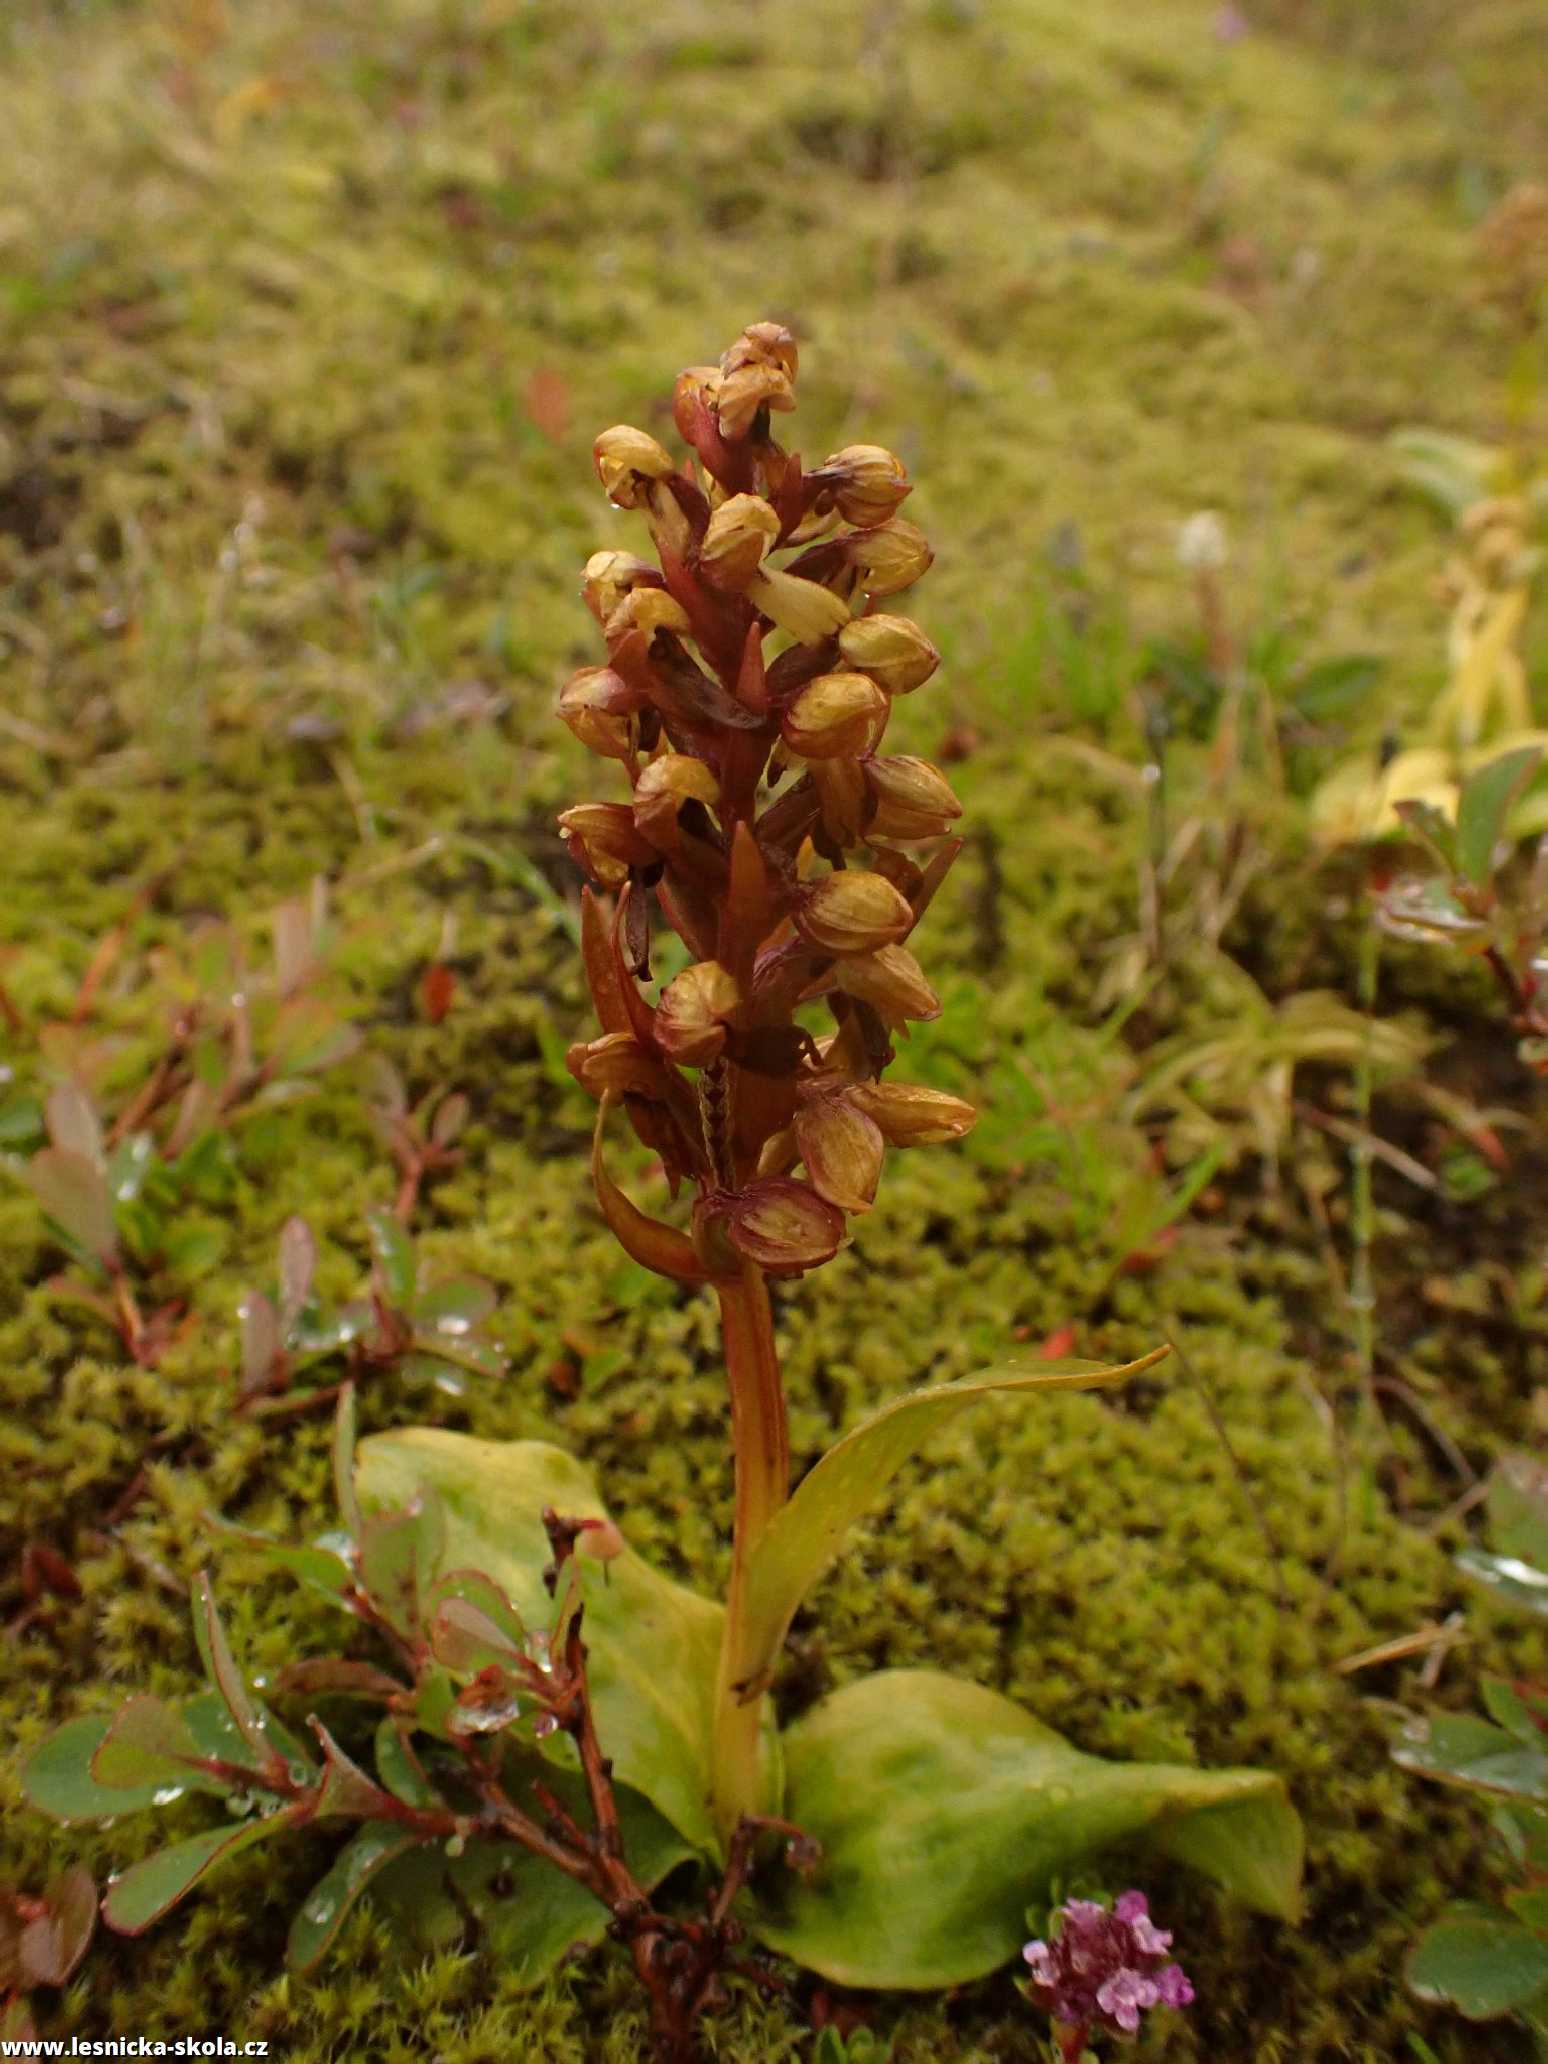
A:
308, 313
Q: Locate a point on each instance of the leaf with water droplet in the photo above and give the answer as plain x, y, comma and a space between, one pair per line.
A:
57, 1776
400, 1769
943, 1810
1482, 1963
455, 1309
315, 1927
150, 1888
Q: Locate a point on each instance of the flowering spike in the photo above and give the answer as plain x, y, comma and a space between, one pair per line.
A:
764, 825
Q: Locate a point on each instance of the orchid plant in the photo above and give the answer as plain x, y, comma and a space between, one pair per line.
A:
893, 1835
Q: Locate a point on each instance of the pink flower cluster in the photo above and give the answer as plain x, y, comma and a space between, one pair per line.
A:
1103, 1969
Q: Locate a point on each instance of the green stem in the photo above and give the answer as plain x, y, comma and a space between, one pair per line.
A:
761, 1441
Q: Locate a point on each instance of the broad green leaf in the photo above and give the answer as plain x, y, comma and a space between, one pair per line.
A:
144, 1892
943, 1811
1517, 1509
57, 1776
654, 1645
315, 1927
74, 1193
394, 1254
1484, 806
1432, 825
1461, 1749
1530, 1905
805, 1538
528, 1914
1480, 1962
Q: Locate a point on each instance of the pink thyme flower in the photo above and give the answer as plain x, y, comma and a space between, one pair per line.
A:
1104, 1969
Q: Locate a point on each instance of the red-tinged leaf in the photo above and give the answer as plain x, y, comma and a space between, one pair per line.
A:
151, 1888
752, 688
400, 1553
467, 1640
752, 910
339, 1677
346, 1792
645, 1240
260, 1344
437, 987
45, 1569
74, 1193
293, 944
1059, 1343
54, 1941
546, 399
221, 1669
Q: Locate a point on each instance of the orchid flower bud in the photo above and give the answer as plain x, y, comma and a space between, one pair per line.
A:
763, 343
866, 481
913, 800
663, 788
836, 716
692, 1014
852, 911
697, 387
617, 1065
610, 576
891, 649
603, 839
892, 982
600, 708
807, 611
908, 1115
626, 461
648, 610
740, 533
891, 557
743, 393
843, 1150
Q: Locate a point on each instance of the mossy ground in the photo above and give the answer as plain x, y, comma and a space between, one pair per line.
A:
308, 311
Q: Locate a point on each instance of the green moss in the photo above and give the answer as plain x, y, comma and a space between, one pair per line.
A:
275, 514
